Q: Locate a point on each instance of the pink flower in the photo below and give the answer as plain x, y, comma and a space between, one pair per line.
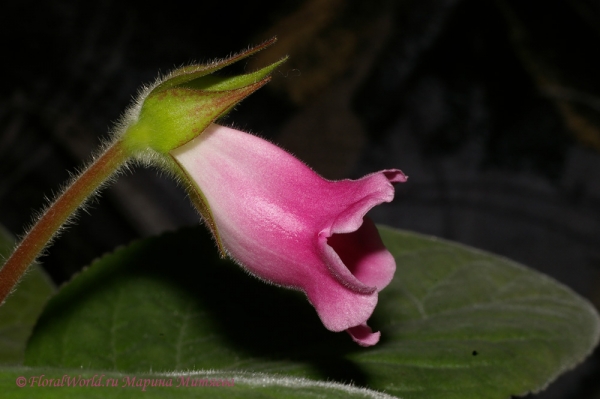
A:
291, 227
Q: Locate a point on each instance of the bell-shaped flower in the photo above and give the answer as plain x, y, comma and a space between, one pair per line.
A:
287, 225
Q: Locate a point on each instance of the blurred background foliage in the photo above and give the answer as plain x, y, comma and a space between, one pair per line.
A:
491, 107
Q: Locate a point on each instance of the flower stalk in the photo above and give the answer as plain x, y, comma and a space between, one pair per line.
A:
58, 213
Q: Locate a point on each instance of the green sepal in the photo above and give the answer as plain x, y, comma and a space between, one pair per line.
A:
188, 73
220, 83
183, 105
173, 117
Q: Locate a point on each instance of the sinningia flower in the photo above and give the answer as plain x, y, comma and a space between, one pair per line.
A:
287, 225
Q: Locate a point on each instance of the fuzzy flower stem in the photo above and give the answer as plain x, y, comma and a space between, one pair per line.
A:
55, 216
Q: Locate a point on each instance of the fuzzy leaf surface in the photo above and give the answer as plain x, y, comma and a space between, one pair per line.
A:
456, 322
51, 383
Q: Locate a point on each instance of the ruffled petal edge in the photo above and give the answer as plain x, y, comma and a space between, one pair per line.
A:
363, 335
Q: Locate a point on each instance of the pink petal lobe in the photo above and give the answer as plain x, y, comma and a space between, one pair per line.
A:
360, 196
363, 335
364, 257
338, 307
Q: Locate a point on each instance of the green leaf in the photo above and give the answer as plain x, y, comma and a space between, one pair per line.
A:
455, 322
466, 324
20, 311
49, 383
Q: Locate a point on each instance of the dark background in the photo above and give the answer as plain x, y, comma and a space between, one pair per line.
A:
491, 107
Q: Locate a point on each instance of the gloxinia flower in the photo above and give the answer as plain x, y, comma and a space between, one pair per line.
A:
289, 226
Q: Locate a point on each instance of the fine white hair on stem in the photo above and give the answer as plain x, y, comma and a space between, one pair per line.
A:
74, 176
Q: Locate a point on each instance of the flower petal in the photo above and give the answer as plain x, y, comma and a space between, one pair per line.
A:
287, 225
338, 307
363, 255
362, 195
363, 335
